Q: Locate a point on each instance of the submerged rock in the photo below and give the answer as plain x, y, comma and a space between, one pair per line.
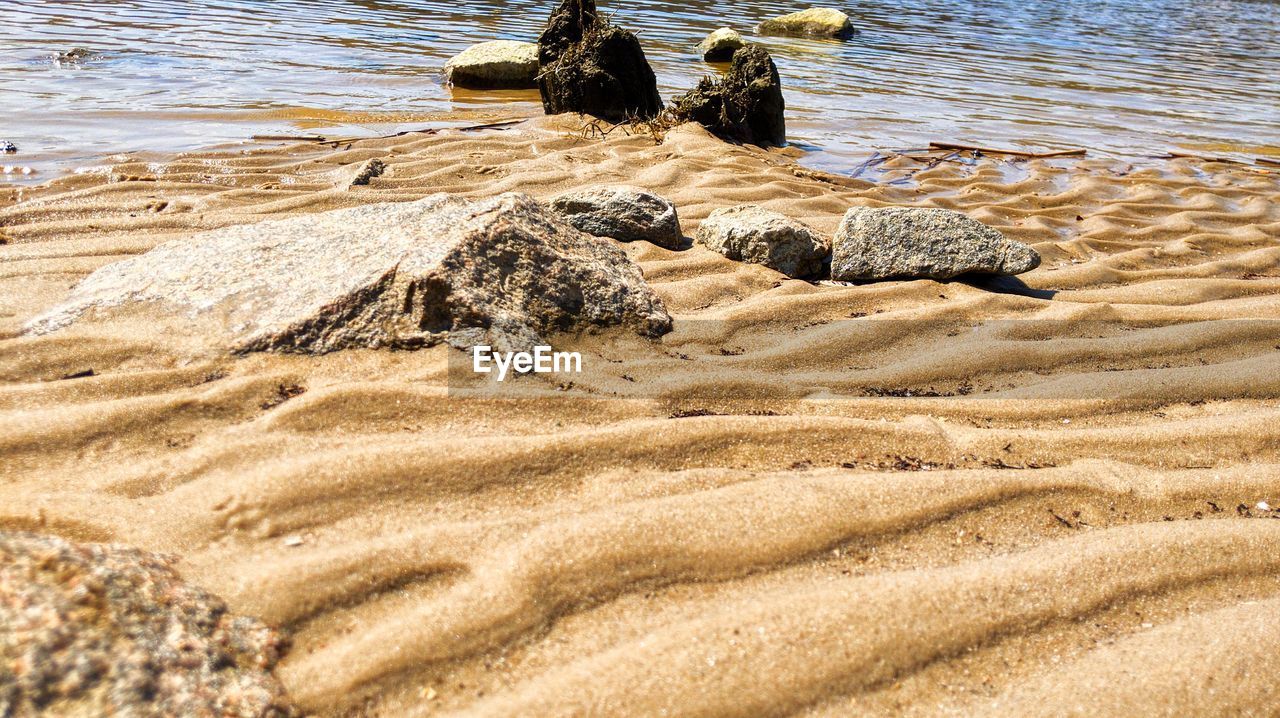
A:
588, 66
496, 64
720, 45
748, 233
627, 214
90, 629
909, 242
501, 271
814, 22
745, 106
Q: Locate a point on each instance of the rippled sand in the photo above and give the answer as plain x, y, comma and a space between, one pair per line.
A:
916, 498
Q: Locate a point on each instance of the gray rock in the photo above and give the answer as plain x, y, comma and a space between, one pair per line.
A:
909, 242
499, 63
720, 45
627, 214
753, 234
501, 271
814, 22
97, 630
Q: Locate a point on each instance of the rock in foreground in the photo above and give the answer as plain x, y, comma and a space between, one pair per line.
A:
588, 66
96, 630
496, 64
627, 214
745, 106
501, 271
720, 45
753, 234
814, 22
908, 242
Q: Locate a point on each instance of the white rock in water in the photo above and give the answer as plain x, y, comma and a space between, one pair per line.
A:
720, 45
814, 22
911, 243
495, 64
748, 233
500, 271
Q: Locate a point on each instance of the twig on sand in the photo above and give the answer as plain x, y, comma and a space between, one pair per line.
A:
1012, 153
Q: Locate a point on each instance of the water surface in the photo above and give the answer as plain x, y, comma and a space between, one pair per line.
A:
1125, 78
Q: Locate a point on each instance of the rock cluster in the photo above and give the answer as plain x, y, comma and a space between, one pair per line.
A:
627, 214
96, 630
496, 64
720, 45
589, 66
503, 271
814, 22
746, 105
910, 242
753, 234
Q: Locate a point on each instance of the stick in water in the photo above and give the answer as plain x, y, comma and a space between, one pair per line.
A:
1014, 153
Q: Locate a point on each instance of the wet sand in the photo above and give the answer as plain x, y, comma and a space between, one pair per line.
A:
907, 498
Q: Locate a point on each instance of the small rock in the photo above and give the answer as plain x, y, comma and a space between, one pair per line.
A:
753, 234
627, 214
367, 171
495, 64
98, 630
745, 106
73, 56
8, 147
501, 271
588, 66
1263, 506
720, 45
814, 22
909, 243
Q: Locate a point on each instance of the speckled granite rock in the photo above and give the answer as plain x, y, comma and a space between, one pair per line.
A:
96, 630
909, 242
749, 233
720, 45
502, 271
627, 214
494, 64
814, 22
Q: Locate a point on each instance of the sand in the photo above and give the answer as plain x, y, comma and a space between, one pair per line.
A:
1018, 497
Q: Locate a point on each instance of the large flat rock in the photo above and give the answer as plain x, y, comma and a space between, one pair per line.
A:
503, 271
914, 242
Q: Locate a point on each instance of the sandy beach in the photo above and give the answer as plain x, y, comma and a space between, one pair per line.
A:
1035, 496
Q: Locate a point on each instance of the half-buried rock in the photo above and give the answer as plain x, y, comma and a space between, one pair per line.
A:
100, 630
748, 233
496, 64
502, 271
627, 214
745, 106
911, 243
588, 66
814, 22
720, 45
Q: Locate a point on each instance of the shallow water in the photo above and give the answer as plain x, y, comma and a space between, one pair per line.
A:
1122, 78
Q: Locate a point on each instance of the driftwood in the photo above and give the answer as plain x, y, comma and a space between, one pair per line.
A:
1268, 162
291, 138
1012, 153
